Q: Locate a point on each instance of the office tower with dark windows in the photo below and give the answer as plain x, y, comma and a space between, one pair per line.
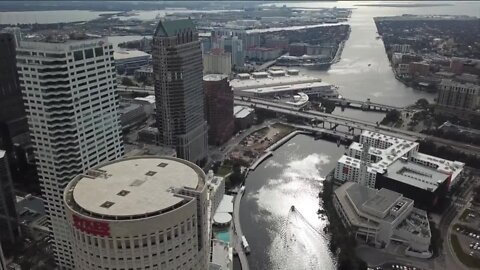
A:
177, 67
8, 215
69, 91
219, 103
12, 114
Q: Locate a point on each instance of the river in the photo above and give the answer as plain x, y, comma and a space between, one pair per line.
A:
278, 238
364, 70
293, 175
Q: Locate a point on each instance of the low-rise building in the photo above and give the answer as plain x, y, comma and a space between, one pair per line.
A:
297, 49
263, 53
402, 69
382, 217
32, 217
148, 103
396, 164
402, 48
418, 68
244, 116
281, 82
144, 73
131, 114
127, 62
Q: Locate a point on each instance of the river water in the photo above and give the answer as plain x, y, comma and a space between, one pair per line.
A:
286, 178
280, 239
294, 174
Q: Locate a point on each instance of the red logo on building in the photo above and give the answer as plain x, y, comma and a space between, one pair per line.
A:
91, 227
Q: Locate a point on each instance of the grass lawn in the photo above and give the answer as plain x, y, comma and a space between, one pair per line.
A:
465, 258
465, 213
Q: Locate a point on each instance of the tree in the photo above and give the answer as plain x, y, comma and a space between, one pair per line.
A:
127, 81
391, 117
328, 105
422, 103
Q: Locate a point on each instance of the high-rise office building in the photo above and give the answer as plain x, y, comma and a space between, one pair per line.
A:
8, 214
69, 91
219, 101
139, 213
12, 114
177, 67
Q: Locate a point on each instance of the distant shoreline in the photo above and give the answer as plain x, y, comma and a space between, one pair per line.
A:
403, 5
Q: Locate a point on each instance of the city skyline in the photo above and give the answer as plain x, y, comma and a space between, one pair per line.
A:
239, 135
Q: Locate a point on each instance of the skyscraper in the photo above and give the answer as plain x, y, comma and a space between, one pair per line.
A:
8, 214
140, 213
12, 114
219, 97
69, 95
177, 67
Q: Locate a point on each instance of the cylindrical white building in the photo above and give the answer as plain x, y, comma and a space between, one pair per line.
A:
139, 213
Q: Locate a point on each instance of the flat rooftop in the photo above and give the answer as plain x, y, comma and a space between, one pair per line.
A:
242, 111
383, 200
122, 55
214, 77
249, 82
135, 186
416, 175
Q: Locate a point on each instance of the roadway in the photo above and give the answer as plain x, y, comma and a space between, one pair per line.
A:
335, 119
237, 233
371, 104
350, 122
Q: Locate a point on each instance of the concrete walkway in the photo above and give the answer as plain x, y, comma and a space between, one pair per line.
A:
237, 233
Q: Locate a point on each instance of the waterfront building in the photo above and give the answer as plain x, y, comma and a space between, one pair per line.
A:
419, 68
69, 92
457, 95
297, 49
276, 41
177, 65
217, 62
244, 116
8, 215
382, 217
13, 119
127, 62
465, 65
263, 53
396, 164
219, 105
401, 48
402, 69
281, 82
139, 213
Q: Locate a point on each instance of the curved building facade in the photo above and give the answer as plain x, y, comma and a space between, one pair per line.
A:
139, 213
